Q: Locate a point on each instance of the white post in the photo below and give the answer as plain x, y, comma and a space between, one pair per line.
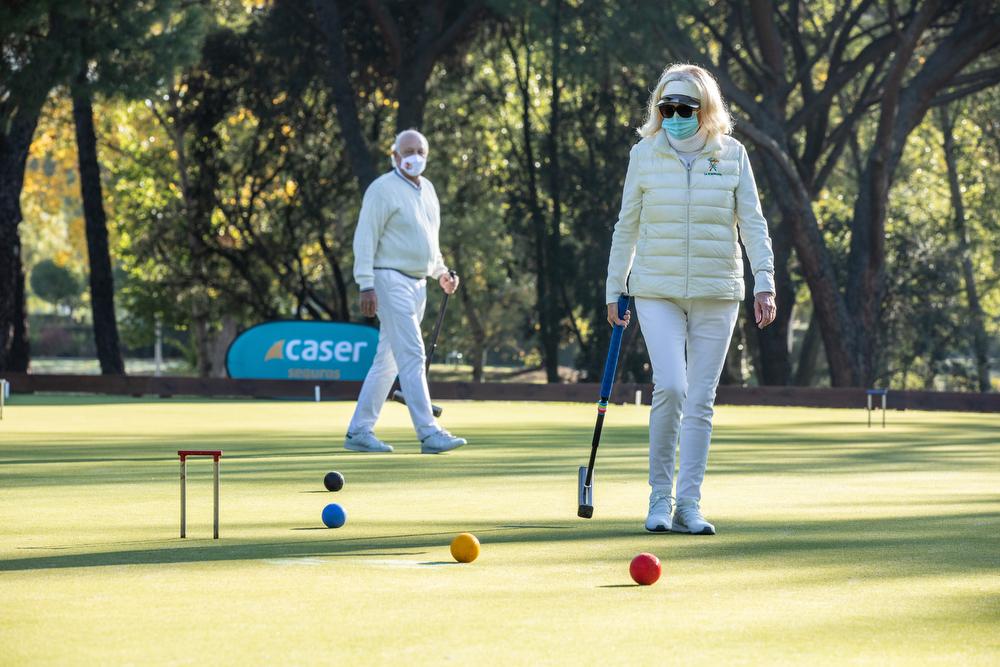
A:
215, 504
638, 396
3, 395
158, 348
883, 409
183, 497
316, 392
869, 410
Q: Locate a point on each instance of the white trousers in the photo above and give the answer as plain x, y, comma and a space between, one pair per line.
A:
684, 385
401, 302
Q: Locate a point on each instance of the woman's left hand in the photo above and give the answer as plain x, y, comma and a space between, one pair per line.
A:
764, 309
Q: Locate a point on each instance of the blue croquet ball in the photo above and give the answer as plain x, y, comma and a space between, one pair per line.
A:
334, 516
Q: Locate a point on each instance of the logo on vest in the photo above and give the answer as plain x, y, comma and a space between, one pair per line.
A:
713, 167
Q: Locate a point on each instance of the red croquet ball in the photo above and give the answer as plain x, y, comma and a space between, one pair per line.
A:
645, 569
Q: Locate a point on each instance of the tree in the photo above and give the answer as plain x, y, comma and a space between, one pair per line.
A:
253, 210
45, 45
802, 92
102, 288
128, 55
980, 339
413, 38
56, 284
31, 41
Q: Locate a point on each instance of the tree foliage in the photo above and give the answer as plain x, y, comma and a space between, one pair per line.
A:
234, 183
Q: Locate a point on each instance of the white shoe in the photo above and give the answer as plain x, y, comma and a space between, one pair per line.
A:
688, 519
365, 442
658, 518
442, 441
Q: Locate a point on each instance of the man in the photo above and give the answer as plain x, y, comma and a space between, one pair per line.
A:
395, 249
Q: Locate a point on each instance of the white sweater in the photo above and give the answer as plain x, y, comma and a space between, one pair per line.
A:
398, 229
679, 227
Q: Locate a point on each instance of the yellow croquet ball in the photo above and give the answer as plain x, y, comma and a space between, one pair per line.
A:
465, 548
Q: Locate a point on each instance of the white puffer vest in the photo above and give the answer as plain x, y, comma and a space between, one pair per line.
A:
678, 230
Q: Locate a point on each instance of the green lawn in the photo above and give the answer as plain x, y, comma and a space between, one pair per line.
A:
837, 544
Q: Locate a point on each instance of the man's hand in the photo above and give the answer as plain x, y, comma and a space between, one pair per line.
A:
764, 309
449, 282
369, 303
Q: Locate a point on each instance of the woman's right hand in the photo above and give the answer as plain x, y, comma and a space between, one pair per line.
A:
613, 318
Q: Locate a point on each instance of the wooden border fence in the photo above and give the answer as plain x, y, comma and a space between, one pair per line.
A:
141, 385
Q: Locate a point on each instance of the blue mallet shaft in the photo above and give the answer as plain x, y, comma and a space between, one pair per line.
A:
607, 382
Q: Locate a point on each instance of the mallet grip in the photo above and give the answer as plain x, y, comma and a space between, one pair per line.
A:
611, 363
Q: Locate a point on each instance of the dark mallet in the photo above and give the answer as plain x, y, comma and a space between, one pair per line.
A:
333, 481
398, 395
585, 477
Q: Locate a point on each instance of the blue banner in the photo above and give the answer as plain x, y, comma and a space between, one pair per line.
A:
303, 350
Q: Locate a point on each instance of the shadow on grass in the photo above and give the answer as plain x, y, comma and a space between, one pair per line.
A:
825, 448
926, 545
440, 562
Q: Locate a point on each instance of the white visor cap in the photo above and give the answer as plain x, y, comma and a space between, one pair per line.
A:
681, 91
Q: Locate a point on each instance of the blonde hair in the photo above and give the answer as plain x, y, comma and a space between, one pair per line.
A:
713, 116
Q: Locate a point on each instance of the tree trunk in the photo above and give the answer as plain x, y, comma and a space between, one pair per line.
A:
751, 343
14, 145
343, 95
219, 346
548, 324
818, 270
980, 339
732, 368
805, 372
773, 342
20, 349
553, 250
411, 92
202, 344
102, 286
477, 331
793, 201
340, 290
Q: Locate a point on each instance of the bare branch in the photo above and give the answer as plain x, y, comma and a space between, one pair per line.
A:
874, 53
762, 14
968, 84
748, 67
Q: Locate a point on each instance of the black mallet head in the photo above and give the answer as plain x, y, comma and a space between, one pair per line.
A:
333, 481
585, 495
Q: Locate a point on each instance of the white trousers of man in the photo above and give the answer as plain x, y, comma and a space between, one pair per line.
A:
401, 302
684, 384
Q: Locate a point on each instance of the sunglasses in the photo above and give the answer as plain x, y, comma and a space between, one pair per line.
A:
683, 110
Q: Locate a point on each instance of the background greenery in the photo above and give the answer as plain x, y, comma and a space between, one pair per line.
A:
235, 140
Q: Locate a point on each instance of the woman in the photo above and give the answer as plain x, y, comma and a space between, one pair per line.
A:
689, 197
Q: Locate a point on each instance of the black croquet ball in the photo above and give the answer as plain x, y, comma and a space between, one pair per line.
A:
333, 481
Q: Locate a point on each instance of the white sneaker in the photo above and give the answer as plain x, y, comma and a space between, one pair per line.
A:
442, 441
365, 442
658, 519
688, 519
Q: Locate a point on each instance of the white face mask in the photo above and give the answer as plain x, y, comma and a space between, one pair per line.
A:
413, 165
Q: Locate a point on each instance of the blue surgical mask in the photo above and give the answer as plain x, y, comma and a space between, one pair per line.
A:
680, 128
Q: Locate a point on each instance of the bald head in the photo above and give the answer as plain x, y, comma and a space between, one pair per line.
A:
410, 142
